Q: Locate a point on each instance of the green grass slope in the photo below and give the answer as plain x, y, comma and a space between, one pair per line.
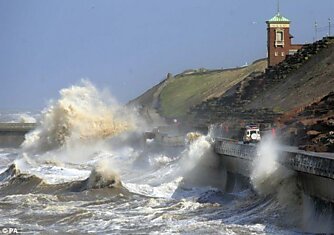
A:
184, 91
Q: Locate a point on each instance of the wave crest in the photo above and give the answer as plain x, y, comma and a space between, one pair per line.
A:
82, 114
103, 176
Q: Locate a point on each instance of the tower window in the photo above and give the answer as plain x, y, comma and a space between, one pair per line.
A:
276, 53
283, 54
279, 39
279, 36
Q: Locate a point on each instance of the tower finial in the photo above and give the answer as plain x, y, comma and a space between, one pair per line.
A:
278, 7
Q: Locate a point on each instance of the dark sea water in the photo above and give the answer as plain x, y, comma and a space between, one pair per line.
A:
146, 193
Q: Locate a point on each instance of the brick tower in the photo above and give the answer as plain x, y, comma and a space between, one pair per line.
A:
279, 39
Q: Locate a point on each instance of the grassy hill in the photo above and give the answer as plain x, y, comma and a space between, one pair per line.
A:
295, 96
174, 96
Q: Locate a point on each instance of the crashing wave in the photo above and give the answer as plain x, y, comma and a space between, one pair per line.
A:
100, 177
82, 114
192, 137
10, 172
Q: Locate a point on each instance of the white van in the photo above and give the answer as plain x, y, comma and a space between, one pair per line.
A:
252, 134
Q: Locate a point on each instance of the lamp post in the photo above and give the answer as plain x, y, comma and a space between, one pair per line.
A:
316, 30
329, 26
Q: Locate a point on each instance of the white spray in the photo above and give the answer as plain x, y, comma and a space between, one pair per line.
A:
81, 115
267, 174
77, 128
269, 177
200, 165
199, 148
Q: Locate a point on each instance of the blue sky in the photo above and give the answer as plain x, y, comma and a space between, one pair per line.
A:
127, 46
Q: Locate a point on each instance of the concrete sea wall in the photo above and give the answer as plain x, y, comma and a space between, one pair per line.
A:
12, 134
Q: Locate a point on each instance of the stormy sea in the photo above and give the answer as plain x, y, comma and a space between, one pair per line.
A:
86, 169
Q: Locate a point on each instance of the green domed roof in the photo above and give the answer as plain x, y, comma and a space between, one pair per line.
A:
278, 18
